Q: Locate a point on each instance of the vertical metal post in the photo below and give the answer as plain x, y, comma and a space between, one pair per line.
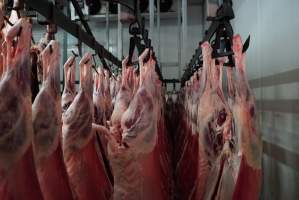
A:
65, 38
107, 25
151, 19
158, 32
203, 18
179, 37
64, 46
206, 7
119, 33
258, 52
184, 32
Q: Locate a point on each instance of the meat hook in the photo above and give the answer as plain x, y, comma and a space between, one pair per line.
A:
7, 20
94, 65
75, 55
19, 32
51, 49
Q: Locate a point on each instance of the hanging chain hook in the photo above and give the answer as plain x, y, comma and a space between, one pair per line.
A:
94, 65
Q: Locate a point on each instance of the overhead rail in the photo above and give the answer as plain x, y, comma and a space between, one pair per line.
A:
139, 34
220, 35
56, 16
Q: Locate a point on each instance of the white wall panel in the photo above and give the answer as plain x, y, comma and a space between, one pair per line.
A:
274, 28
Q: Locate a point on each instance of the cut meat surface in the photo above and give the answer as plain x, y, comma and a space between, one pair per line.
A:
47, 126
139, 122
215, 127
18, 178
46, 113
133, 136
124, 138
122, 101
100, 117
69, 91
99, 98
139, 125
107, 95
126, 170
86, 173
224, 130
248, 184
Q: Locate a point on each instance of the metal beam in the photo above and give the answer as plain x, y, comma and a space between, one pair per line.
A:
279, 105
291, 76
55, 16
81, 16
282, 155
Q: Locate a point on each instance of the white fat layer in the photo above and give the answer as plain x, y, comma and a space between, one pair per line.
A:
250, 142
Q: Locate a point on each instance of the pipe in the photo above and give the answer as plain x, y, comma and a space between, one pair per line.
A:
184, 33
119, 33
203, 18
151, 19
107, 26
158, 32
179, 38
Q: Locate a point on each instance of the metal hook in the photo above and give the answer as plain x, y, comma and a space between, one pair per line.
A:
75, 55
86, 62
32, 39
246, 44
51, 49
18, 11
174, 86
112, 74
20, 31
72, 62
94, 60
94, 65
94, 68
7, 20
14, 42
